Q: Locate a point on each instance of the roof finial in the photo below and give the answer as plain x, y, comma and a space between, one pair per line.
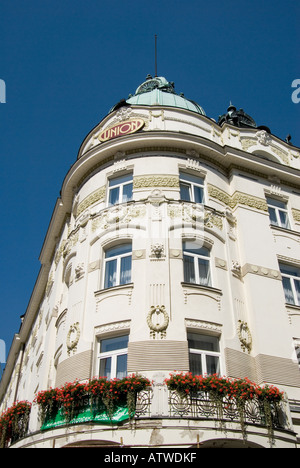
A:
155, 55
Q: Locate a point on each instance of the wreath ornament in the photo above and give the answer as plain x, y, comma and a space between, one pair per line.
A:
245, 336
159, 326
72, 343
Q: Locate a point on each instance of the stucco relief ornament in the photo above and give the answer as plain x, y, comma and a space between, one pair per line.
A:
73, 337
263, 137
157, 250
161, 322
245, 336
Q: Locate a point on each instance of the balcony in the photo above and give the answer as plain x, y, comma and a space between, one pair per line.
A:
161, 407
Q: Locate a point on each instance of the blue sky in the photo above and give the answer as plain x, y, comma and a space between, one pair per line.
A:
66, 63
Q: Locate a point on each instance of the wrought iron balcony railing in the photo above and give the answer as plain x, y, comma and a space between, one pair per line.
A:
200, 405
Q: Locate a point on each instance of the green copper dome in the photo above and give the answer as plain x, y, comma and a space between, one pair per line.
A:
159, 91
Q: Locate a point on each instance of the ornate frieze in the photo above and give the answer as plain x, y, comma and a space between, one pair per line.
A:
96, 196
296, 214
118, 214
238, 198
147, 181
194, 213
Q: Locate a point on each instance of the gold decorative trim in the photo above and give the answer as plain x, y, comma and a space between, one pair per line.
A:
296, 214
156, 181
238, 198
94, 197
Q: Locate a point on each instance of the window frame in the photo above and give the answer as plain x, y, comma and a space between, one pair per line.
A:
292, 279
115, 185
192, 181
118, 259
277, 211
113, 355
196, 257
203, 353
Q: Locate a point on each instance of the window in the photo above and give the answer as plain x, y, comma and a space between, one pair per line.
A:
120, 190
278, 213
291, 283
204, 354
196, 264
113, 357
191, 188
117, 265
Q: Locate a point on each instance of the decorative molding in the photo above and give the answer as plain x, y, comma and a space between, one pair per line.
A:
73, 342
238, 198
245, 336
203, 325
158, 251
220, 263
79, 271
296, 214
236, 269
123, 290
139, 254
261, 271
195, 213
97, 196
118, 214
190, 289
161, 324
112, 327
170, 181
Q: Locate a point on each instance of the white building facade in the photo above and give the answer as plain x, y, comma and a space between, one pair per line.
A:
174, 247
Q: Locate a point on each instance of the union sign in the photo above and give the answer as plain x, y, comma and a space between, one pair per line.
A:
123, 128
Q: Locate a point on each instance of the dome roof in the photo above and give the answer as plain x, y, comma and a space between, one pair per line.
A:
238, 118
159, 91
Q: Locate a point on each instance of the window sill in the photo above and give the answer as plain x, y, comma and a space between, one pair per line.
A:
202, 288
113, 289
293, 307
285, 230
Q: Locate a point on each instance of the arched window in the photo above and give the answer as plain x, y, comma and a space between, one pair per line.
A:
196, 264
117, 265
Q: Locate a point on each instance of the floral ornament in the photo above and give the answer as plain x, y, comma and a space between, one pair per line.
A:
97, 391
223, 390
72, 343
14, 423
245, 336
159, 327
